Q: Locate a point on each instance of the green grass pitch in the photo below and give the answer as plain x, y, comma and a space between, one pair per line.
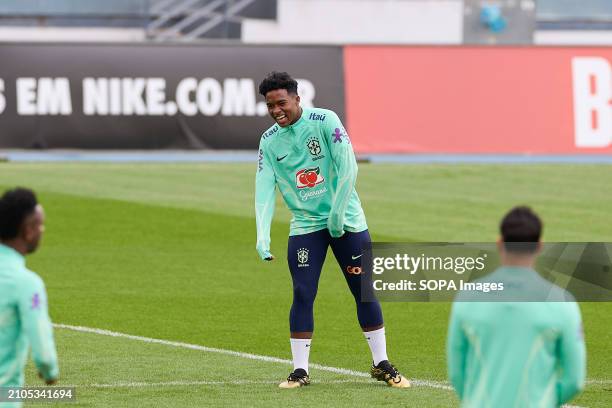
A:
168, 252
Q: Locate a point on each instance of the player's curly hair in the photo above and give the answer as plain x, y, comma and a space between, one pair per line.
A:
15, 206
521, 229
278, 80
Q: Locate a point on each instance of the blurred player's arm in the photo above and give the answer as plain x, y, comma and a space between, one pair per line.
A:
456, 350
572, 357
346, 168
35, 319
265, 200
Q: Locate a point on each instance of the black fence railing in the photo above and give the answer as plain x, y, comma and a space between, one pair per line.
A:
128, 13
574, 14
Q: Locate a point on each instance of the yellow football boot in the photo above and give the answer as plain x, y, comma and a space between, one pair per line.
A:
298, 378
385, 371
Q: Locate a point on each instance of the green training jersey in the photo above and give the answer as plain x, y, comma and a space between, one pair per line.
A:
24, 321
313, 165
516, 354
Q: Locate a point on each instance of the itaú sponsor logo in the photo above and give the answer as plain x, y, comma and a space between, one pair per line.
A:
592, 101
308, 177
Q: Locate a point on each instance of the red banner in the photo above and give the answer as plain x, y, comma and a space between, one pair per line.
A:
479, 100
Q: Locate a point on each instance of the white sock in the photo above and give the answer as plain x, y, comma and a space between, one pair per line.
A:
300, 350
378, 344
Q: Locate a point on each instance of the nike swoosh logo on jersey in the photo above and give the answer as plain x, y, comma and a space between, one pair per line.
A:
356, 257
281, 158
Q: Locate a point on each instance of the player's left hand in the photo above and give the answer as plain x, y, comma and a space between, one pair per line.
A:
335, 232
50, 381
335, 226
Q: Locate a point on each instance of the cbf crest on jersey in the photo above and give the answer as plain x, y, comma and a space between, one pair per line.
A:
302, 257
314, 147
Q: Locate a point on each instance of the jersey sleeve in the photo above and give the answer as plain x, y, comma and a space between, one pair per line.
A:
34, 315
345, 166
456, 351
265, 192
571, 356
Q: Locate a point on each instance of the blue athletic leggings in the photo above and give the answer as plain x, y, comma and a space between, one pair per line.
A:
306, 254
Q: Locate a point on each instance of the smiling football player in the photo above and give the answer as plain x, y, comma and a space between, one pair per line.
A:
308, 155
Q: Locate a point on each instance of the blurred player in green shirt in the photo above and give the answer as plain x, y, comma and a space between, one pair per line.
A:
517, 354
24, 319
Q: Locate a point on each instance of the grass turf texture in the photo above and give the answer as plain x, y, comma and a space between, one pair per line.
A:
167, 251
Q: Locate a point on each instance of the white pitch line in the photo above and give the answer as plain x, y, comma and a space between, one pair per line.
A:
599, 382
193, 383
421, 383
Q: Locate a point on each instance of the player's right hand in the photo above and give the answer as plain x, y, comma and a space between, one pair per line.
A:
266, 256
264, 252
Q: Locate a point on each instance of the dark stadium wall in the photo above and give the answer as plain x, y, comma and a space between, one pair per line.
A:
479, 99
540, 100
139, 96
